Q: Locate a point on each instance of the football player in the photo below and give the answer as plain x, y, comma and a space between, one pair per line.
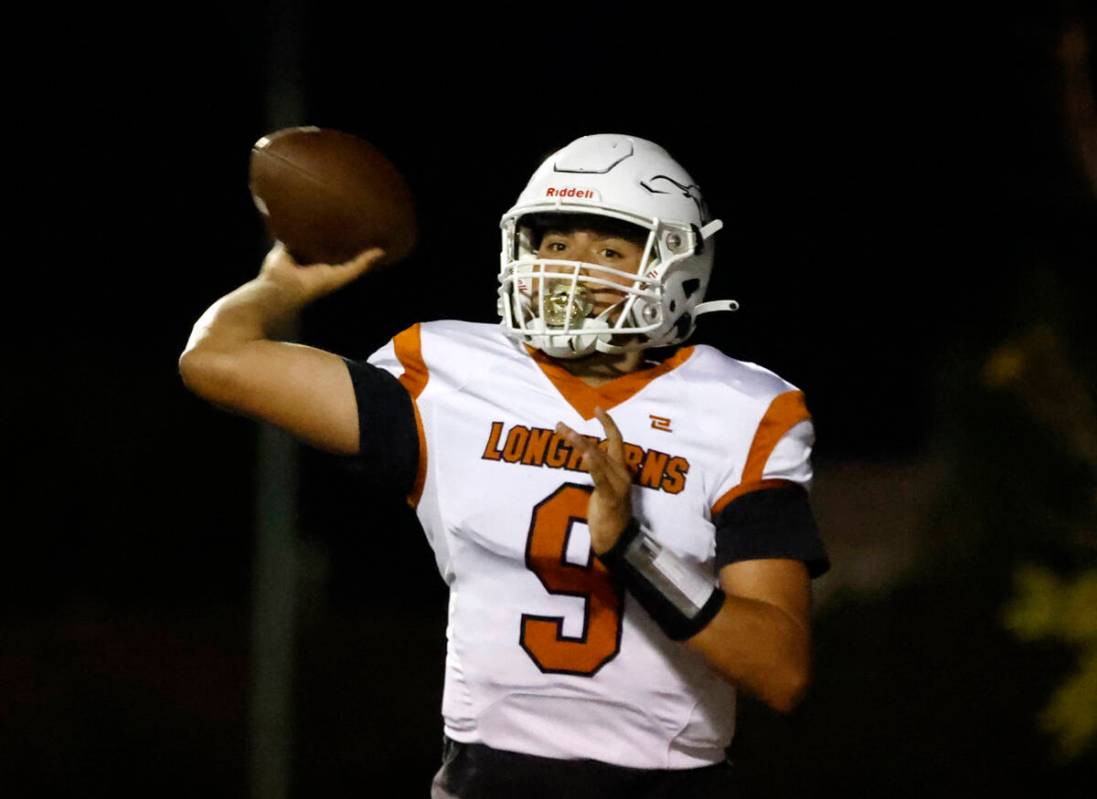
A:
622, 520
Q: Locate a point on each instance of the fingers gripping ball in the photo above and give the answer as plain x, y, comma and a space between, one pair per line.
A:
328, 195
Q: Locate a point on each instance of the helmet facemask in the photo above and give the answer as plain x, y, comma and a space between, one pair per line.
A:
548, 302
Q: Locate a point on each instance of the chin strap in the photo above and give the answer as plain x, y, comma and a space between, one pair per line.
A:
572, 345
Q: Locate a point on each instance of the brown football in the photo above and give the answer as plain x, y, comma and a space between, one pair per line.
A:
328, 195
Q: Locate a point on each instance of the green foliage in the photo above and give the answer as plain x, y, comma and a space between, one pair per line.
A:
1036, 368
1048, 607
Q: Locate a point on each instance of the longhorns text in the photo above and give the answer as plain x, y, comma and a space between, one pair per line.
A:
540, 446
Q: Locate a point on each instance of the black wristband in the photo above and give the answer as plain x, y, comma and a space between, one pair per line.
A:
678, 610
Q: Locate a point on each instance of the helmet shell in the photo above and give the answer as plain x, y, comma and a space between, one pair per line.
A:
624, 178
609, 171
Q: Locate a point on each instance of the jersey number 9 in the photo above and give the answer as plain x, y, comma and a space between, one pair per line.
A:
542, 637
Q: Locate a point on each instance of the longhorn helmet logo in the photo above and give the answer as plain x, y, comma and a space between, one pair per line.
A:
661, 184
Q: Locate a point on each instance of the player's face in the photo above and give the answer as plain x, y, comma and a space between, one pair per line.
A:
593, 246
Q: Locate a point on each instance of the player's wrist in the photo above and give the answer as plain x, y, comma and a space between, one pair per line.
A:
627, 536
678, 596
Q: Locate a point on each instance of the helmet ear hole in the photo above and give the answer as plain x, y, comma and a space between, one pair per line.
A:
682, 326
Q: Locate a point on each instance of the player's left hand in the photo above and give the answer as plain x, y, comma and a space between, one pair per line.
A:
610, 507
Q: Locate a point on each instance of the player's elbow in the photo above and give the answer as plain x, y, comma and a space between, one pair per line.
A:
789, 690
204, 373
193, 368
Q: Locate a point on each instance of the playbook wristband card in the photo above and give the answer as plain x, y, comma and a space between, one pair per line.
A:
676, 594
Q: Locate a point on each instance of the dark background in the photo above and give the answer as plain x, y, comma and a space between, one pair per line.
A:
901, 194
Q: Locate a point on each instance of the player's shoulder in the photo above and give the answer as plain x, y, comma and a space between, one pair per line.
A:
482, 339
462, 333
720, 372
456, 351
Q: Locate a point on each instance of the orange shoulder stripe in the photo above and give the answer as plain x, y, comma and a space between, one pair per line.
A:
409, 351
785, 412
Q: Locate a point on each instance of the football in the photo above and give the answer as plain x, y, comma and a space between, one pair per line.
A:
327, 195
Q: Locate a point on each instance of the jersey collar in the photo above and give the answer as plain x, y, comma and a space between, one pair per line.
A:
585, 398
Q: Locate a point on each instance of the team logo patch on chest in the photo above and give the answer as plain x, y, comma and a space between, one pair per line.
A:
540, 446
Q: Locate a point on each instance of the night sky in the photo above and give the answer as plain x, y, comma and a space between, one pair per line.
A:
899, 196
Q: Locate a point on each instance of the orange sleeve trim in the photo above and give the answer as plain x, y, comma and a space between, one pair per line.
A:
421, 469
747, 488
786, 411
409, 351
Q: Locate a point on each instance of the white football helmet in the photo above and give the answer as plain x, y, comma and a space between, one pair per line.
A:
546, 302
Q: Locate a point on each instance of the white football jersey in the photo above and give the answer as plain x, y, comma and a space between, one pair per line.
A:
546, 654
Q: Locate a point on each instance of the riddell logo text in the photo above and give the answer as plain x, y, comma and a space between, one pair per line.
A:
539, 446
571, 191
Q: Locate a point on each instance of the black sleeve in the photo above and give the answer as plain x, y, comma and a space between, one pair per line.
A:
770, 523
388, 435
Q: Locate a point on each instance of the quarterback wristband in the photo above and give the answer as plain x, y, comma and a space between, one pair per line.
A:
678, 596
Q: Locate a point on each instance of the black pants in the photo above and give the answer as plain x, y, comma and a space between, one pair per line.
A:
475, 771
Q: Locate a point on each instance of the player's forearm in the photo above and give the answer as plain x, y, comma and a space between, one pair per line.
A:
760, 647
263, 308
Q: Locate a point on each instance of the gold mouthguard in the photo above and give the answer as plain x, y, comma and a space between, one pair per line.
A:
556, 304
